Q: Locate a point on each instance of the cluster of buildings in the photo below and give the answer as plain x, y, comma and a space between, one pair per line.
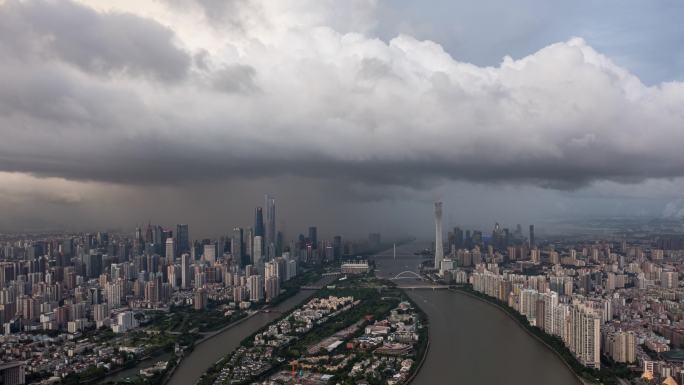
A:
393, 342
613, 300
599, 301
384, 352
247, 363
74, 283
610, 299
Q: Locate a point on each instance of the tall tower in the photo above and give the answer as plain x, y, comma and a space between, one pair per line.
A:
182, 239
258, 222
439, 251
313, 236
237, 247
532, 241
259, 230
270, 233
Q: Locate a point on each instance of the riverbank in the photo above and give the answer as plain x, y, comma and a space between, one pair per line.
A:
417, 368
526, 327
172, 370
368, 307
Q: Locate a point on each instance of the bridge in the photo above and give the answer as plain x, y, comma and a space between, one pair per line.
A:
312, 287
406, 275
426, 287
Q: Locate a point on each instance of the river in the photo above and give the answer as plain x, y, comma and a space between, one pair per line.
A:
208, 352
473, 342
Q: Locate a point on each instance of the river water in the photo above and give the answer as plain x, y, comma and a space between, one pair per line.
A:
473, 342
207, 353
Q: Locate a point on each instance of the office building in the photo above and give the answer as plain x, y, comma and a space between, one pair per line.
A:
237, 247
270, 231
257, 251
256, 288
12, 373
313, 236
170, 249
532, 240
182, 239
185, 271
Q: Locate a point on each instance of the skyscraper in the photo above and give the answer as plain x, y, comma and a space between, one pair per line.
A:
185, 266
458, 238
439, 251
270, 234
182, 239
247, 241
313, 237
258, 222
170, 249
259, 231
532, 244
257, 251
337, 247
237, 247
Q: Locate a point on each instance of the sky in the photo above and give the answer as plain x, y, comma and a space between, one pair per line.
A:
355, 115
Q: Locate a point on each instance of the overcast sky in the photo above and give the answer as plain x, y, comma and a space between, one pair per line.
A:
355, 114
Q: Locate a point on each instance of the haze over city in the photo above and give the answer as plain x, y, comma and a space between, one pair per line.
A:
350, 192
356, 115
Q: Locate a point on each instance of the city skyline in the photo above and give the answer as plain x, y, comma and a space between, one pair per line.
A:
347, 192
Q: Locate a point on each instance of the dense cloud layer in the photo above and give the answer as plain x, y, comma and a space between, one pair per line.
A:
278, 88
119, 112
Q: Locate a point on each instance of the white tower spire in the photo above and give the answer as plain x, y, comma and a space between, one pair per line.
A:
439, 251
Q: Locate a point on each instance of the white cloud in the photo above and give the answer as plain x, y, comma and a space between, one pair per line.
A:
300, 87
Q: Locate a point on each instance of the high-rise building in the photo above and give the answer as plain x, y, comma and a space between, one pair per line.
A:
279, 243
12, 373
586, 335
210, 254
337, 247
622, 346
532, 241
182, 239
199, 301
272, 286
248, 242
256, 288
270, 233
313, 236
170, 249
258, 222
458, 238
237, 247
439, 247
259, 230
670, 279
257, 251
185, 270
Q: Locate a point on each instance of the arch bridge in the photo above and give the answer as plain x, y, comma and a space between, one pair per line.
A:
407, 274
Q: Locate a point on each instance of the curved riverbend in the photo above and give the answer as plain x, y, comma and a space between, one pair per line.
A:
472, 342
525, 328
212, 349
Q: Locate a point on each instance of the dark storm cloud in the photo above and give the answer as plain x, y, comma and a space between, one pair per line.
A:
99, 43
298, 98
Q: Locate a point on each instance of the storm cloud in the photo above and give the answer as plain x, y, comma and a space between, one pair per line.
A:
110, 92
331, 104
